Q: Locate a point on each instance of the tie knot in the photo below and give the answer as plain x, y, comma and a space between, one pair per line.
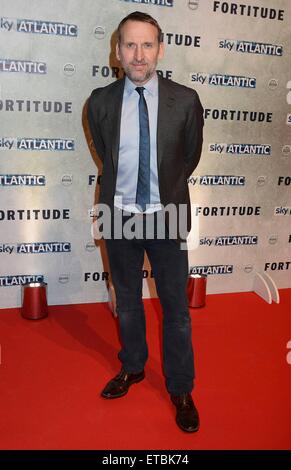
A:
140, 90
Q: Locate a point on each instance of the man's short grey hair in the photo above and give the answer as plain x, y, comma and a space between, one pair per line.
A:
143, 18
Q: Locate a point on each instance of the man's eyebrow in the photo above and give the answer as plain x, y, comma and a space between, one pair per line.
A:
132, 42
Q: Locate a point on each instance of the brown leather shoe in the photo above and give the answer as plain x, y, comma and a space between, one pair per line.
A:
187, 416
119, 385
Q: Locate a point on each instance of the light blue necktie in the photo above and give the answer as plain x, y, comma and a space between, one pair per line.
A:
143, 182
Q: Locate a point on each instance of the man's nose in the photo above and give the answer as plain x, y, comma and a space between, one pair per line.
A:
139, 53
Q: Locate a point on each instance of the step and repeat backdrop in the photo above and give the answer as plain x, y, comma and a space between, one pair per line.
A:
52, 54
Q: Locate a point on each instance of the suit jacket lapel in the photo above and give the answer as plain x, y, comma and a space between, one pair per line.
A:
166, 102
114, 112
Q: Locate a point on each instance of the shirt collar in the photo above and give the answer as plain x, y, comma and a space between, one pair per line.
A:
151, 86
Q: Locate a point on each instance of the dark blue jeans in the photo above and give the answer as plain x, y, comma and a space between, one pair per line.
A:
170, 269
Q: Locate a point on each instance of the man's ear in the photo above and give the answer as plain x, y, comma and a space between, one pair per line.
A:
117, 51
161, 50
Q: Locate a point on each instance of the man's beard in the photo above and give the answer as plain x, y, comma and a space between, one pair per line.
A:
135, 75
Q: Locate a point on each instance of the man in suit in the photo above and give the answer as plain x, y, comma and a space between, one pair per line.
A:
148, 133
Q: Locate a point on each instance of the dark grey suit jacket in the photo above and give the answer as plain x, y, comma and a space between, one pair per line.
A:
179, 138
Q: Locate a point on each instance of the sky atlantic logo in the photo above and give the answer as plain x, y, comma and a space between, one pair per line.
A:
212, 269
250, 47
20, 280
36, 143
217, 180
36, 248
264, 150
6, 248
43, 247
38, 27
22, 180
217, 79
25, 66
160, 3
282, 210
229, 240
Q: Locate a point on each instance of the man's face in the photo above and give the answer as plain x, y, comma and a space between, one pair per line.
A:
139, 51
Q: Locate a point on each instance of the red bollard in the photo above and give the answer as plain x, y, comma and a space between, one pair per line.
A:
34, 301
196, 290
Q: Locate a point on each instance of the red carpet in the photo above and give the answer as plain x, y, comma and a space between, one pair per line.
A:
52, 371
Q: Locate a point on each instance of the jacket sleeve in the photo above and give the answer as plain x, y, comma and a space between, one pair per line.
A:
193, 135
93, 121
